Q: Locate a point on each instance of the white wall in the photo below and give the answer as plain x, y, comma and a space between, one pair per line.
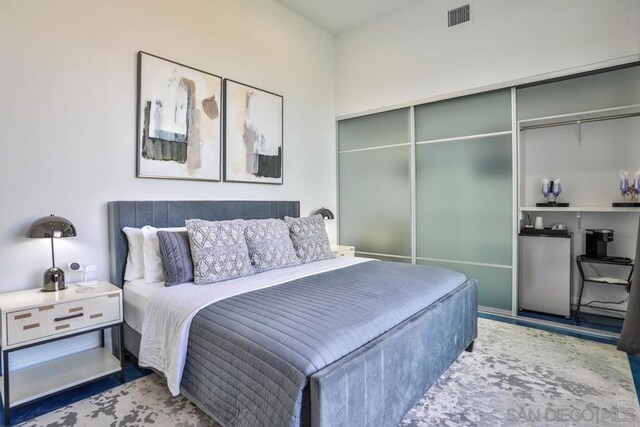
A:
67, 116
412, 55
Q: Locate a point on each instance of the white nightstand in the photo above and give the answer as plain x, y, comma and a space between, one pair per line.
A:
32, 317
340, 250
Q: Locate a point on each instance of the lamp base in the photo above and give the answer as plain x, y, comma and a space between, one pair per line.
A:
53, 280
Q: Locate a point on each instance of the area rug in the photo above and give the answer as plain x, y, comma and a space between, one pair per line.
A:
515, 376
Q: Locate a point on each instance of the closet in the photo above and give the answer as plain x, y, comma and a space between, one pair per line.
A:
583, 130
450, 183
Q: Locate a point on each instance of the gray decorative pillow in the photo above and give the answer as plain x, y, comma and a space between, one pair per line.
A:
219, 250
309, 238
269, 244
175, 255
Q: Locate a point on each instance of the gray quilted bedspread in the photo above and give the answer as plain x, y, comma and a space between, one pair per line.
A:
250, 356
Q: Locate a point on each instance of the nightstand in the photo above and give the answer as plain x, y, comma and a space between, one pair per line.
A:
31, 318
340, 250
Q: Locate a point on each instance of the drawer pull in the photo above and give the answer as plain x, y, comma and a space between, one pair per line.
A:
113, 295
22, 316
31, 326
74, 309
95, 316
62, 327
46, 307
73, 316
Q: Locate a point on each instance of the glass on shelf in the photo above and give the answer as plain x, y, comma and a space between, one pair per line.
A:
624, 188
546, 189
557, 189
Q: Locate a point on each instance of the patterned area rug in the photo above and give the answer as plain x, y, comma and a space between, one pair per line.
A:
515, 376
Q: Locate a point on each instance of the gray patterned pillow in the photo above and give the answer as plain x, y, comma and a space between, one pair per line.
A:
309, 238
219, 250
270, 246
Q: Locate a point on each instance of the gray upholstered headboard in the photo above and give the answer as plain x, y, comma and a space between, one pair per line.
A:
174, 214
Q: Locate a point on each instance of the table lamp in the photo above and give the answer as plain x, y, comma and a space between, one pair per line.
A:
325, 213
50, 227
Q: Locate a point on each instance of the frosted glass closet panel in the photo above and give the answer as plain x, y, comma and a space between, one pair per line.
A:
375, 204
464, 200
605, 90
494, 284
375, 130
471, 115
374, 183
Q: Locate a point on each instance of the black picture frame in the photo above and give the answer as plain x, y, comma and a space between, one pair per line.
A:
140, 173
227, 174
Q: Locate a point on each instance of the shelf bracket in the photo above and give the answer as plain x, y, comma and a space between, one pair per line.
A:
579, 131
579, 217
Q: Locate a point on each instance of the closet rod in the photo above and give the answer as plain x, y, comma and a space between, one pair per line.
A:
573, 122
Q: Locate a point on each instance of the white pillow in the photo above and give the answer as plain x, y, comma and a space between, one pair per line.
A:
135, 259
151, 251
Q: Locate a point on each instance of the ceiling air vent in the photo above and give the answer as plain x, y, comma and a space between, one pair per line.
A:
459, 15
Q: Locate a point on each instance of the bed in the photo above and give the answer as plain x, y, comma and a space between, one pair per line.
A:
330, 343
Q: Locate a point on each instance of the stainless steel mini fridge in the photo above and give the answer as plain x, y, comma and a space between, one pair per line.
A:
545, 273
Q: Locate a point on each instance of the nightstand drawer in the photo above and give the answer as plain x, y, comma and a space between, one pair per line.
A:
27, 325
345, 252
54, 319
104, 309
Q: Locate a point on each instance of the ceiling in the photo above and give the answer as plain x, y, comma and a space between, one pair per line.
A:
337, 16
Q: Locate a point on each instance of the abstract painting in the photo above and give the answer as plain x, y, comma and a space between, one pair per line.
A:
253, 134
179, 124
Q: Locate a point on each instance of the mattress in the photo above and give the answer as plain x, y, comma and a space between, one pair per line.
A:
137, 294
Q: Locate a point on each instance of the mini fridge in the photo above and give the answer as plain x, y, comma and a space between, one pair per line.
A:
545, 273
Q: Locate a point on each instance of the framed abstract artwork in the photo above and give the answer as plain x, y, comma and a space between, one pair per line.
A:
253, 134
179, 123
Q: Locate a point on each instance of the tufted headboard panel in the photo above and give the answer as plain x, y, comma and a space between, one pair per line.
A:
174, 214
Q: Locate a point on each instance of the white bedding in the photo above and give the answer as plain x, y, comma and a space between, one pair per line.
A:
169, 311
137, 294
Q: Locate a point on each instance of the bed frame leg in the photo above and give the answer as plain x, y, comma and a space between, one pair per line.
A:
470, 347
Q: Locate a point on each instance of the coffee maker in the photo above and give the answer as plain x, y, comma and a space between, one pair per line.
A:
597, 240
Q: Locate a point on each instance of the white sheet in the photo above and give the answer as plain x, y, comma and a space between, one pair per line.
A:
165, 329
137, 294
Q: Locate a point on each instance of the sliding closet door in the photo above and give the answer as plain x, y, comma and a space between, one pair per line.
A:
374, 185
464, 206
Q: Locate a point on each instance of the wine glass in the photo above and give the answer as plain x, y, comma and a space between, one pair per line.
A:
546, 189
624, 188
557, 188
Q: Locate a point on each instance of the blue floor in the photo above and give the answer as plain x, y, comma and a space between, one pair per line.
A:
587, 320
133, 372
34, 409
